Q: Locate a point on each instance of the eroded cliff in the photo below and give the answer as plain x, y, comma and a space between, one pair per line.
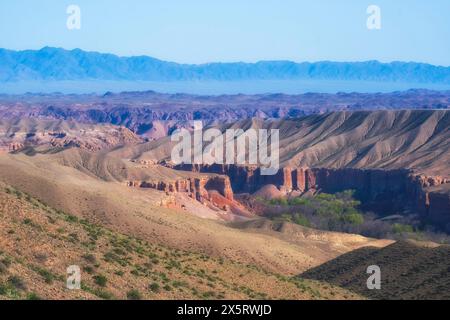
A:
384, 191
196, 188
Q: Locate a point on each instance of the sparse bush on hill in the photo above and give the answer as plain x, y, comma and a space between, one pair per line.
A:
90, 258
399, 228
134, 295
17, 282
33, 296
126, 261
44, 273
154, 287
100, 280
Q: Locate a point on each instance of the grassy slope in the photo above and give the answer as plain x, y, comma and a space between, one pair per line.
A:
138, 213
38, 242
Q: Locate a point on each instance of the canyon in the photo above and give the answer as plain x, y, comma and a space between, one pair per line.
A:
383, 191
396, 161
154, 115
121, 178
196, 188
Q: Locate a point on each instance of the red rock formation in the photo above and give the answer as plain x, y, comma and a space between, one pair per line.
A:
299, 179
385, 191
197, 188
15, 146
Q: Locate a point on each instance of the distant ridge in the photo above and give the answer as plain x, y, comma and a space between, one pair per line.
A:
58, 64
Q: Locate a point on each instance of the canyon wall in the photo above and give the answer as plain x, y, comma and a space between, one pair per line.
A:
196, 188
383, 191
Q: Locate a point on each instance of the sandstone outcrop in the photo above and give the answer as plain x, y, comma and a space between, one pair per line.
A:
197, 188
17, 134
384, 191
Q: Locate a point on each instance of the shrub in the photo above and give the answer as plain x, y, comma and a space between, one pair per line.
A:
27, 221
3, 268
6, 261
88, 269
301, 220
208, 294
90, 258
167, 287
70, 218
154, 287
353, 218
33, 296
119, 273
298, 201
17, 282
7, 289
279, 202
3, 289
100, 280
178, 284
104, 294
402, 228
134, 294
45, 274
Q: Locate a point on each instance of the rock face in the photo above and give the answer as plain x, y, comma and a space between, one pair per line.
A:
385, 191
437, 205
197, 188
17, 134
154, 115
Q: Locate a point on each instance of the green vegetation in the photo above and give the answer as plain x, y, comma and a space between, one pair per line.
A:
134, 295
9, 290
44, 273
341, 212
100, 280
17, 282
33, 296
154, 287
399, 228
128, 262
325, 211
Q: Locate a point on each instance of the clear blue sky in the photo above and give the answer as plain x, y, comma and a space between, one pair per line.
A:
197, 31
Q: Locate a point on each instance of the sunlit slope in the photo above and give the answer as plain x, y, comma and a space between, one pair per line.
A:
38, 243
140, 213
386, 139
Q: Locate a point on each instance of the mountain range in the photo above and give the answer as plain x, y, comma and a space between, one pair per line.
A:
56, 64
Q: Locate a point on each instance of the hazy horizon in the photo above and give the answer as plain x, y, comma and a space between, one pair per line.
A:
224, 62
202, 32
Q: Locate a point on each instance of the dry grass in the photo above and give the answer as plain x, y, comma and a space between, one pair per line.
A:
39, 242
409, 270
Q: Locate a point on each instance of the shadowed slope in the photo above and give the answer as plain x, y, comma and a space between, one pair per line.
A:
408, 271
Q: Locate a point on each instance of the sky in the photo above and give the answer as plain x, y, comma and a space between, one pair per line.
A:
201, 31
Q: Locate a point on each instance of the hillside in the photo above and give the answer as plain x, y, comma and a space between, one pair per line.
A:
18, 133
146, 213
383, 139
58, 211
113, 208
409, 270
39, 242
